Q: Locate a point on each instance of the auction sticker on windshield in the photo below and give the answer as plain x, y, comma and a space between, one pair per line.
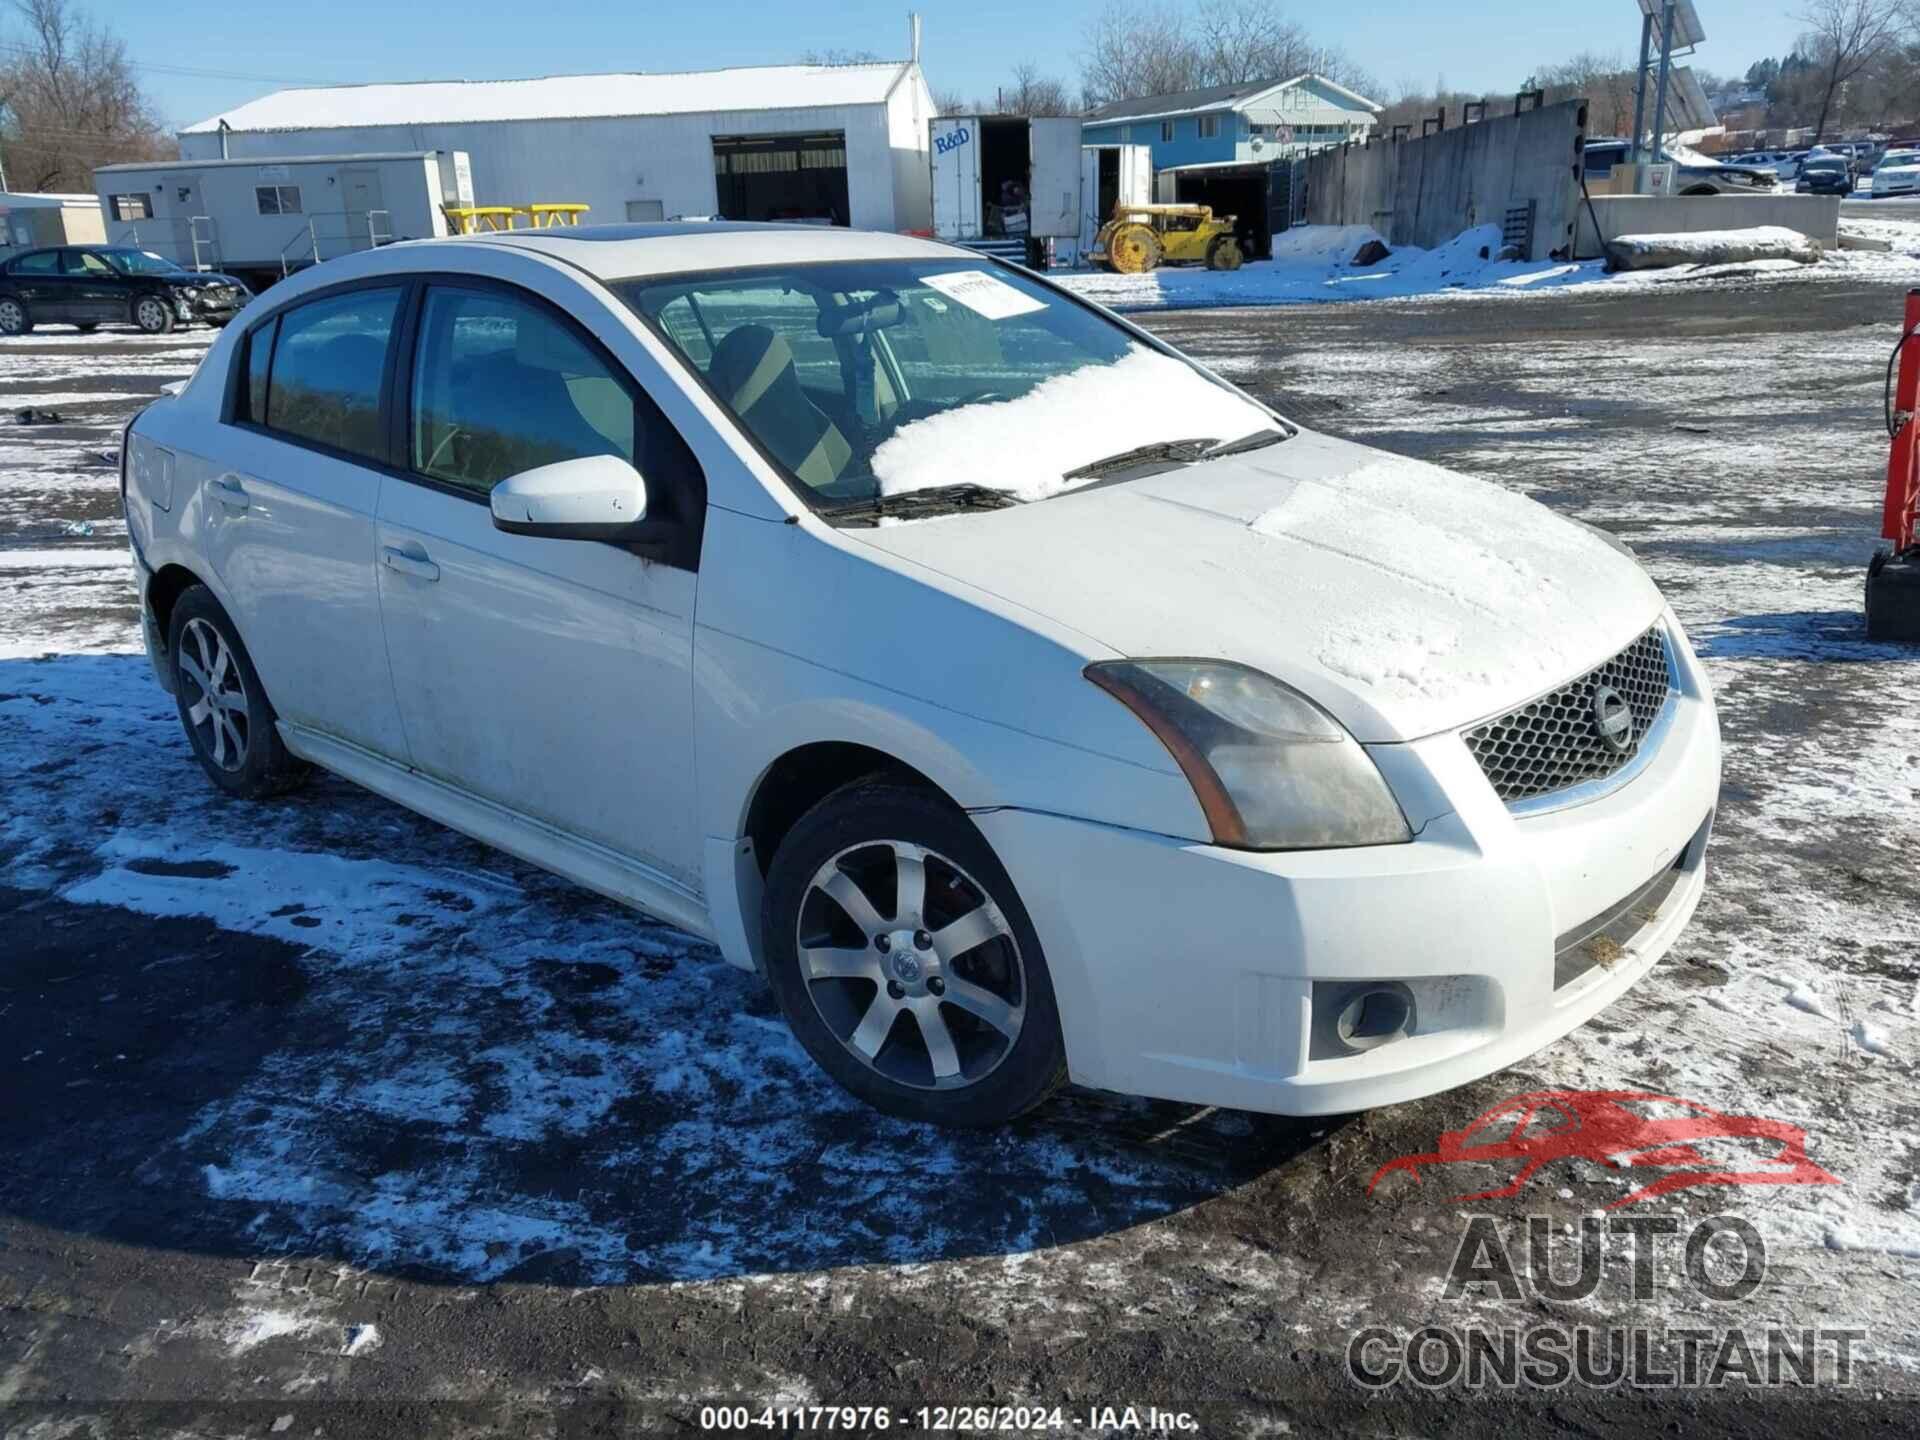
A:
983, 294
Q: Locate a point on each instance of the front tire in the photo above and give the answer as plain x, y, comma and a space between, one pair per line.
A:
87, 327
153, 315
906, 964
15, 319
223, 706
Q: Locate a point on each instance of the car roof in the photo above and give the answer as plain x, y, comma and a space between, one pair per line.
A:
615, 252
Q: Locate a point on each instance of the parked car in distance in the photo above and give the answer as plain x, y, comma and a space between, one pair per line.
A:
1021, 700
93, 285
1825, 175
1702, 177
1782, 164
1898, 173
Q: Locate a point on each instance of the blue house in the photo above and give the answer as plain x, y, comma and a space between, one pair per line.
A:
1263, 120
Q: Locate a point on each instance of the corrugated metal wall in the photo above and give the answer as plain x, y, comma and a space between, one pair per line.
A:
605, 162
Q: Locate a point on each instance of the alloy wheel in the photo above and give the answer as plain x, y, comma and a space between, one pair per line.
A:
219, 713
911, 965
152, 315
12, 318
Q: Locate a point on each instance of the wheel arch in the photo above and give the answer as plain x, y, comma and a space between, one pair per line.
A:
791, 783
169, 583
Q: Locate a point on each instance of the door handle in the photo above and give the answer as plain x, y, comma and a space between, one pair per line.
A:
230, 492
412, 562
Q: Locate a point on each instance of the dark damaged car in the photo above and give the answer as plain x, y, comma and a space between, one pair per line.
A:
93, 285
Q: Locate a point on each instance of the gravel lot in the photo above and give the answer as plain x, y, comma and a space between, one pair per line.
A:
319, 1113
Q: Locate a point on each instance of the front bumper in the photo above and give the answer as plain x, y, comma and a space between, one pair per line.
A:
1189, 972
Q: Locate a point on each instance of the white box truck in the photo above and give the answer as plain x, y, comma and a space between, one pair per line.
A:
1008, 185
261, 219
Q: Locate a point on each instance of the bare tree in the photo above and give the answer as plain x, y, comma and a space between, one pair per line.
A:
1145, 52
1844, 38
70, 101
839, 57
1604, 81
1162, 50
951, 102
1032, 93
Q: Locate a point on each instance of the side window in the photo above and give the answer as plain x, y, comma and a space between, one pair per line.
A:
84, 262
327, 366
43, 262
253, 399
500, 385
1209, 127
277, 199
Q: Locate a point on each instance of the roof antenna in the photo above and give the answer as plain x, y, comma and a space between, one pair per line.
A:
224, 129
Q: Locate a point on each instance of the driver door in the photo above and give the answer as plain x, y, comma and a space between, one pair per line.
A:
550, 677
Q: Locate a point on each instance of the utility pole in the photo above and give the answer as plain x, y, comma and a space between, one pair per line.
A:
1660, 90
1640, 85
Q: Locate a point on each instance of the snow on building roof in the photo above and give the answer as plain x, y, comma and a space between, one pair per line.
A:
43, 199
563, 97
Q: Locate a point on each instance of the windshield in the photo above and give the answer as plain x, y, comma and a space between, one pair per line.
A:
1899, 157
874, 379
138, 262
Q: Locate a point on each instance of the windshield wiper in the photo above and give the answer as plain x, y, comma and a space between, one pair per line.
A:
917, 504
1178, 451
1258, 440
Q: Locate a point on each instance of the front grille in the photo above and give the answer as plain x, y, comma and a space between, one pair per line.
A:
1555, 742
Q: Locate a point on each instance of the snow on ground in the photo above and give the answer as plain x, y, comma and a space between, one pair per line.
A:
1311, 265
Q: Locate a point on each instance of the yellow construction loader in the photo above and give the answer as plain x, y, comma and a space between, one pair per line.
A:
1139, 237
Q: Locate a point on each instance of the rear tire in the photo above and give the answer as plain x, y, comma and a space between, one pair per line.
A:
88, 327
153, 315
921, 987
223, 706
15, 318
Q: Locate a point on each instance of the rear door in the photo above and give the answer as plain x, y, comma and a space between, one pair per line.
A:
36, 279
552, 677
287, 513
1054, 189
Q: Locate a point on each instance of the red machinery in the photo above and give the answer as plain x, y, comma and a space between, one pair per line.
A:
1893, 577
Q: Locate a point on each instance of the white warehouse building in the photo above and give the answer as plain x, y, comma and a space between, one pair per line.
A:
845, 144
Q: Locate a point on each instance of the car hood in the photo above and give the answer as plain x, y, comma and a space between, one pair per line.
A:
200, 277
1404, 598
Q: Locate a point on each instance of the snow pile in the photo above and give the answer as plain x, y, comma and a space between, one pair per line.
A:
1710, 247
1322, 244
1063, 423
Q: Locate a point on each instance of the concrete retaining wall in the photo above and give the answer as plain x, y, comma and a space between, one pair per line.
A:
1815, 216
1424, 192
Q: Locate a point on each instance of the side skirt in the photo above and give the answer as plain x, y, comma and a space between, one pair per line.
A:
618, 877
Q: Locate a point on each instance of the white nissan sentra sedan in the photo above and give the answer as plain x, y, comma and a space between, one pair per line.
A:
1021, 700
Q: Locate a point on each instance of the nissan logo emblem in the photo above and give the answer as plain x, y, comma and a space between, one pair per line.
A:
1613, 718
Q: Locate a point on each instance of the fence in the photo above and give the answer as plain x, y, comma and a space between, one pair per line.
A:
1519, 172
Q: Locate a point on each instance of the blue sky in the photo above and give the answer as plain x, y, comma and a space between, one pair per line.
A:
968, 47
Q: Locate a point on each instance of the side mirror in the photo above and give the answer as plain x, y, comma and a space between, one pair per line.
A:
597, 497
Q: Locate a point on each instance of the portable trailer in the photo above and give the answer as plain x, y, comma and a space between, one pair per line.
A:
263, 219
1006, 185
1893, 575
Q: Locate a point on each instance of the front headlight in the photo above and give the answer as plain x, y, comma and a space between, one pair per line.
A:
1271, 770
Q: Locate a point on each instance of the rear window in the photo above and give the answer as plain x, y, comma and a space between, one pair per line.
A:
323, 383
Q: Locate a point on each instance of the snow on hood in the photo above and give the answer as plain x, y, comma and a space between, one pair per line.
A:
1403, 597
1061, 424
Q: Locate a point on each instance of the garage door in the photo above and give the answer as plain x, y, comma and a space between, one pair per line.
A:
782, 177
